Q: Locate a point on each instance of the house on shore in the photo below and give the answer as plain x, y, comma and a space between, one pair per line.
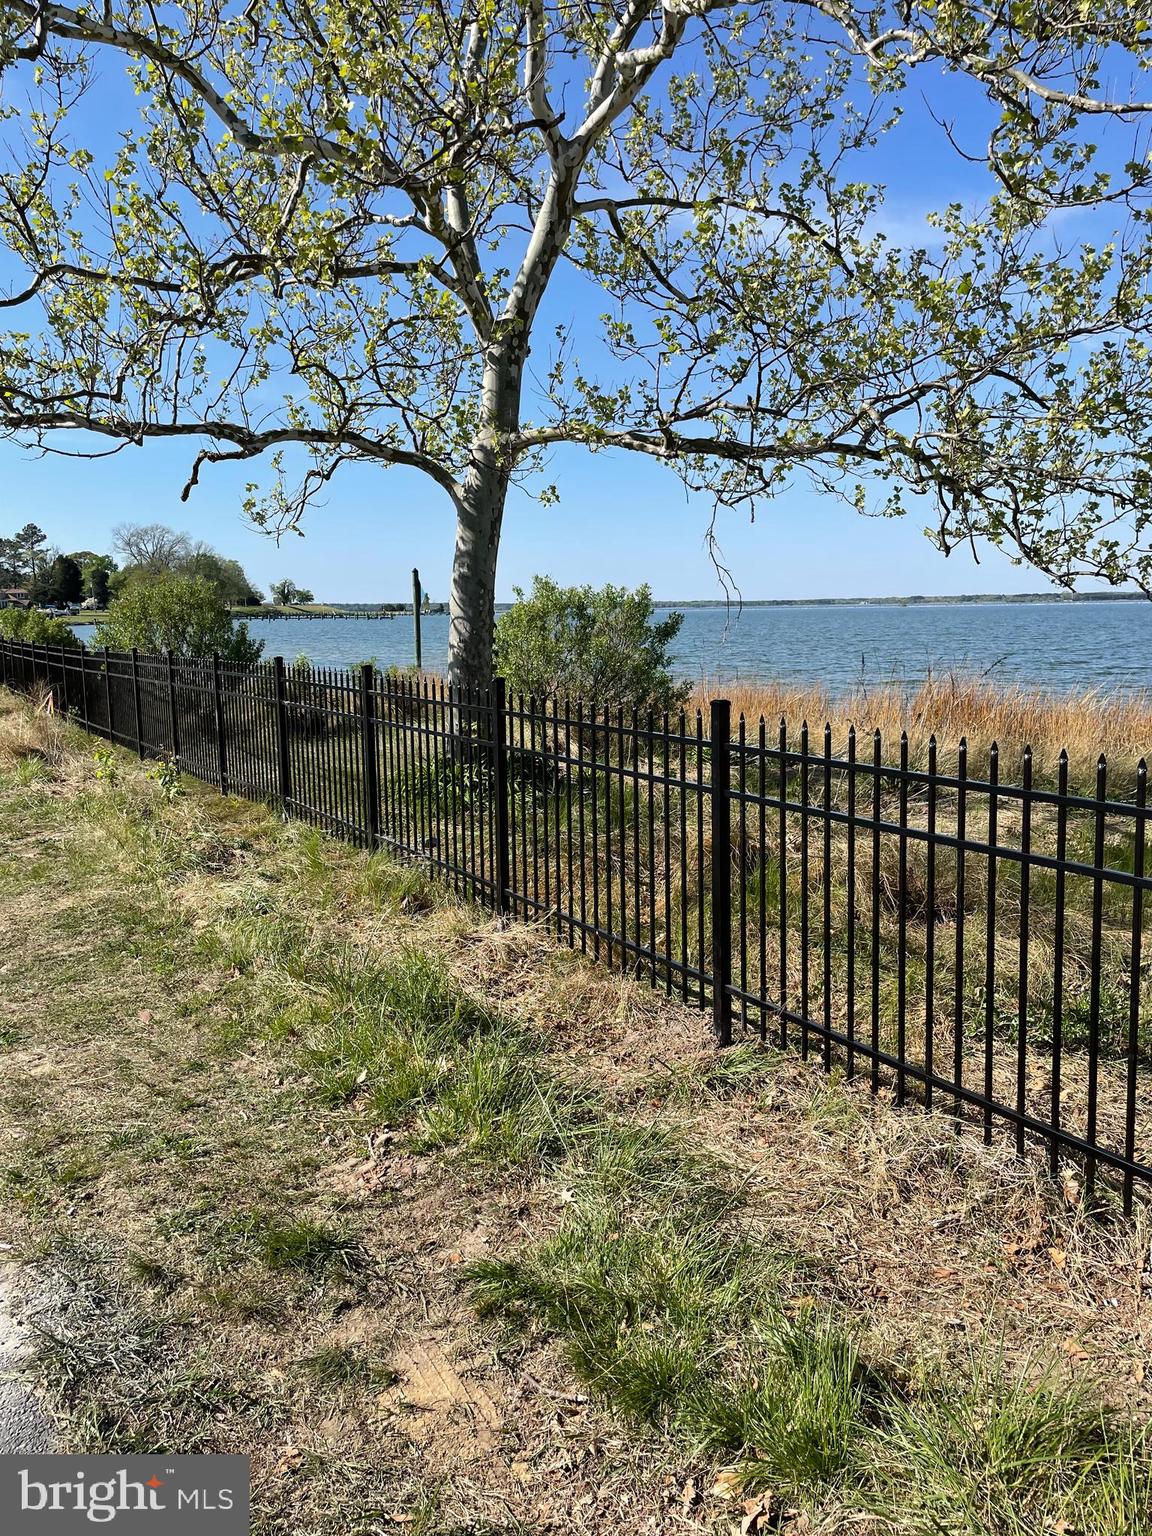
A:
14, 597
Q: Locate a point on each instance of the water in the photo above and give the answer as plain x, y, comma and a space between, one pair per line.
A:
1056, 646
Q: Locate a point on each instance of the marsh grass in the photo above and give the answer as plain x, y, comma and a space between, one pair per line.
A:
954, 706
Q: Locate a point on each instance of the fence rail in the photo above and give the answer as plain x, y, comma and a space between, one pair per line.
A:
962, 940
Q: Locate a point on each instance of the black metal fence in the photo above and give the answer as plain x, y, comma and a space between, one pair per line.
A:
962, 940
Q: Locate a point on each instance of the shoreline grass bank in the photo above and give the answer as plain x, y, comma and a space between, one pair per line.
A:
954, 707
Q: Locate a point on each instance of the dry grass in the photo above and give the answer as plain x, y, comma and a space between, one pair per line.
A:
249, 1239
34, 734
954, 707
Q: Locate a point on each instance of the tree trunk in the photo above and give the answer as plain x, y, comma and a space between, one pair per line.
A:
479, 515
480, 505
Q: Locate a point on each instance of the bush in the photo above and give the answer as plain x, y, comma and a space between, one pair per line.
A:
32, 628
182, 614
601, 645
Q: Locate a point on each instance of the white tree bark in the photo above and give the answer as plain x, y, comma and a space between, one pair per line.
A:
482, 495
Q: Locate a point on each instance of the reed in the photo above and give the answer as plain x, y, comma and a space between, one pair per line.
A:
954, 706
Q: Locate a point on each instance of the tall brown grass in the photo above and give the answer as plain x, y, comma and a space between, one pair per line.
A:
33, 731
953, 707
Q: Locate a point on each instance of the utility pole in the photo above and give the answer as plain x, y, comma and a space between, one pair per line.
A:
416, 617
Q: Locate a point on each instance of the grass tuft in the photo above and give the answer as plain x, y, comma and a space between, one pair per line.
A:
299, 1244
343, 1365
982, 1452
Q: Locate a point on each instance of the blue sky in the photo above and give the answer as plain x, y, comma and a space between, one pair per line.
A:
620, 517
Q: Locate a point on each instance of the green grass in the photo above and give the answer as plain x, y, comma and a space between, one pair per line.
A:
672, 1313
668, 1308
402, 1042
1014, 1453
304, 1245
190, 1197
345, 1366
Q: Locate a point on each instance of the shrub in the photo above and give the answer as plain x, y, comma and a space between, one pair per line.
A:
182, 614
599, 644
32, 628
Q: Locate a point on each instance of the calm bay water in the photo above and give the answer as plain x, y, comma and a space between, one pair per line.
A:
1053, 646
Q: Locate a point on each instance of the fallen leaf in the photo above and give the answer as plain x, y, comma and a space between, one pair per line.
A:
290, 1460
1058, 1256
755, 1511
689, 1495
729, 1481
1074, 1350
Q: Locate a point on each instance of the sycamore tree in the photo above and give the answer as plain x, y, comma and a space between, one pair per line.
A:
333, 234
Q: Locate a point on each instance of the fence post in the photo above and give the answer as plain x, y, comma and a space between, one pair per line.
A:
84, 681
65, 700
371, 752
416, 605
283, 762
501, 831
173, 713
108, 692
720, 743
218, 701
136, 701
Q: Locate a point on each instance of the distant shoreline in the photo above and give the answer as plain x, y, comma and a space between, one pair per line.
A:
967, 599
399, 610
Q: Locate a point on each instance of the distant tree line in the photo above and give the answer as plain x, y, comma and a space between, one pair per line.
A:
146, 551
